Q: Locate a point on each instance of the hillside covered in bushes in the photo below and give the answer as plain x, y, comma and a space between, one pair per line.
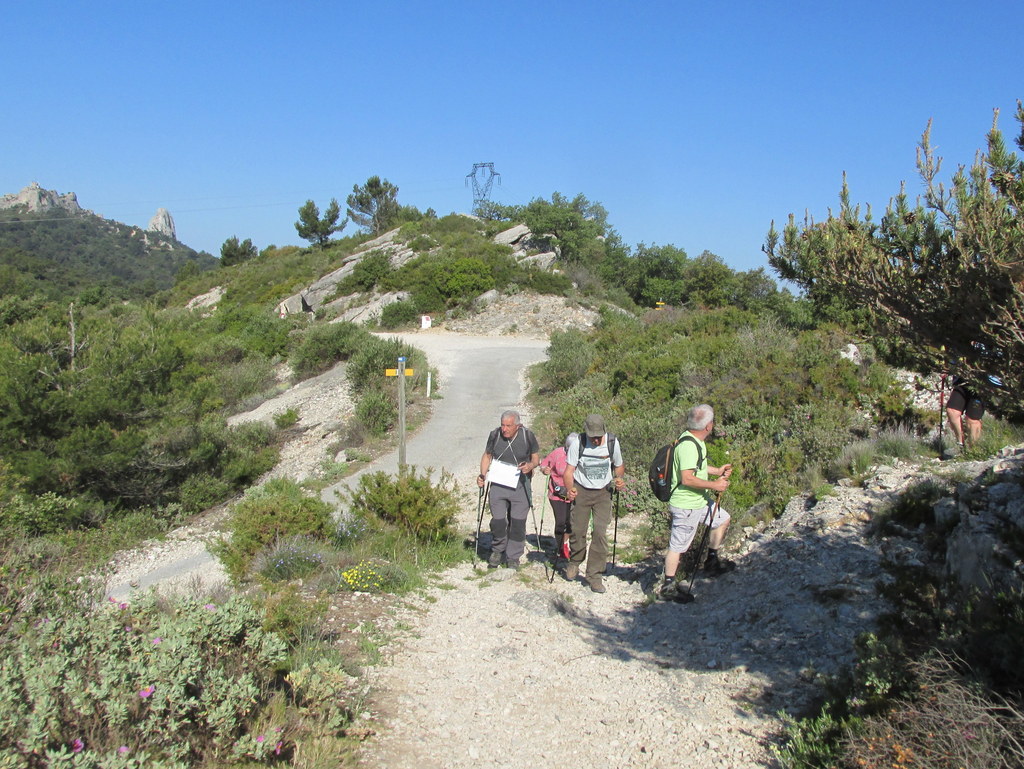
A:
114, 427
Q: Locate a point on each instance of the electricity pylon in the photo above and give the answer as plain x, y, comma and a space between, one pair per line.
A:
483, 176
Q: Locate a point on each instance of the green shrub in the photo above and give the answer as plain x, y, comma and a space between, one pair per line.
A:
286, 418
291, 558
410, 501
323, 345
366, 273
367, 366
399, 314
544, 282
134, 685
570, 356
898, 443
377, 412
202, 491
248, 455
275, 511
420, 243
32, 516
372, 576
855, 460
291, 614
238, 381
813, 742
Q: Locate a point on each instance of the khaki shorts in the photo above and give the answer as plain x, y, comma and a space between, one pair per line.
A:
685, 522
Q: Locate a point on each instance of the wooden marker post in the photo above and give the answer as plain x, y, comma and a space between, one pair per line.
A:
401, 406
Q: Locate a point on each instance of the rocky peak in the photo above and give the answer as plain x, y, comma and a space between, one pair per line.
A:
163, 223
38, 200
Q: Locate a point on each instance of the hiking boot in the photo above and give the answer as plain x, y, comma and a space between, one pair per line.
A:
715, 566
669, 590
494, 561
596, 585
572, 570
512, 563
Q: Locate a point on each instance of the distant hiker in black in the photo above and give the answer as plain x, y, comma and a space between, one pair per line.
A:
508, 461
965, 410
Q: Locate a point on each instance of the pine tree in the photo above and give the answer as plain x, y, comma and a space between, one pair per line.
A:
374, 205
943, 277
318, 230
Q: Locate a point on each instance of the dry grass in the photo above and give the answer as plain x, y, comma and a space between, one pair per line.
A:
947, 724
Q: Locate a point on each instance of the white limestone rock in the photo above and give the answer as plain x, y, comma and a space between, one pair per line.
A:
163, 223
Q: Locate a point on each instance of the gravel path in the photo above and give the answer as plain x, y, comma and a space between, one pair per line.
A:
504, 669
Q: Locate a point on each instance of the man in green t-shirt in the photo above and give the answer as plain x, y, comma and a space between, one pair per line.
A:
692, 497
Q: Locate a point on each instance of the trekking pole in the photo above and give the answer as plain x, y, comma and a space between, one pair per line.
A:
536, 532
615, 528
687, 597
942, 397
479, 523
543, 501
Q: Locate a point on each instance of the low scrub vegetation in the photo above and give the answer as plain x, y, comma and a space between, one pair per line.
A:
941, 681
249, 680
784, 399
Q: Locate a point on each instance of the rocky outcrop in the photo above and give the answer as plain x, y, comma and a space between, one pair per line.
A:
979, 522
526, 248
983, 549
206, 302
37, 200
163, 223
323, 292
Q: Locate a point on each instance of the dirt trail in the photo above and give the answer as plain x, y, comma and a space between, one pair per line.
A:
494, 668
504, 669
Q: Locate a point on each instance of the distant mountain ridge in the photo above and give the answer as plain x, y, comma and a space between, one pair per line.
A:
49, 243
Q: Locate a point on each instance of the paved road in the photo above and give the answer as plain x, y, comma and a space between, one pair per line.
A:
481, 376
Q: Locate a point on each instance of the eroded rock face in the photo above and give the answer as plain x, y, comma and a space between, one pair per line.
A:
980, 550
37, 200
163, 223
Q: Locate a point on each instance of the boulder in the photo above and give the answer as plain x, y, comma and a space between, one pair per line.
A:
512, 235
545, 261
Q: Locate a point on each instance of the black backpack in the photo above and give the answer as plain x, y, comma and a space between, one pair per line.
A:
660, 473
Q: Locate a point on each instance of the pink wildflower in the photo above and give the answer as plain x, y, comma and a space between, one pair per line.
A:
123, 749
277, 748
147, 692
77, 746
157, 641
260, 738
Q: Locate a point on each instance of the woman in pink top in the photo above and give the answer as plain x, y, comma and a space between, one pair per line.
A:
553, 466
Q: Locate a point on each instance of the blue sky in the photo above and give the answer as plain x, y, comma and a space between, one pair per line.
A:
694, 124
